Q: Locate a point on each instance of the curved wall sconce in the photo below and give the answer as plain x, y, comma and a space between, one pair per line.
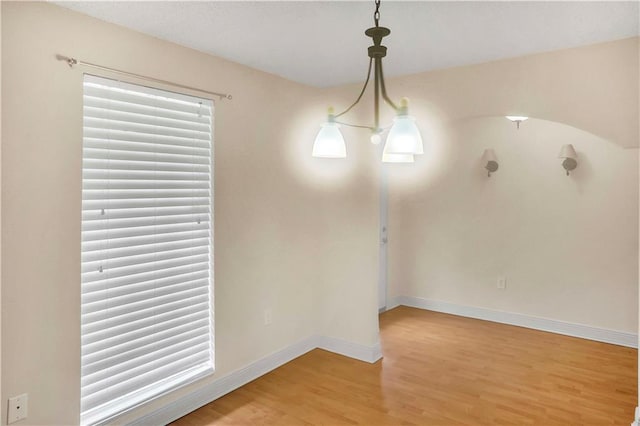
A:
569, 154
490, 161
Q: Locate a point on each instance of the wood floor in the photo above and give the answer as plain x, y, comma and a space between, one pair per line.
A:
442, 369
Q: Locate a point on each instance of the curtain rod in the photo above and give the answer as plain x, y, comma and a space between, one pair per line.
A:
73, 61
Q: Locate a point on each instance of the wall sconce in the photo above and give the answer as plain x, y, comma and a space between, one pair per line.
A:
516, 119
490, 161
569, 154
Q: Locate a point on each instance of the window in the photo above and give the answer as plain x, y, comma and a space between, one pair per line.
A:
146, 324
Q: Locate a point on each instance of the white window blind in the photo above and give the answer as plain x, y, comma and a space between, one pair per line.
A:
146, 245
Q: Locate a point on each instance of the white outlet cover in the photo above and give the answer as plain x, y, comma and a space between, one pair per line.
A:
17, 408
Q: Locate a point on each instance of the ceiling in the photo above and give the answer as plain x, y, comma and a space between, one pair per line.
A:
322, 43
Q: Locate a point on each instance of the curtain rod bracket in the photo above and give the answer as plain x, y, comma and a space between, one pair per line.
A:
70, 61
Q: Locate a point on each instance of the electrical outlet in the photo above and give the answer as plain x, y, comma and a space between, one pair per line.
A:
502, 283
267, 316
17, 408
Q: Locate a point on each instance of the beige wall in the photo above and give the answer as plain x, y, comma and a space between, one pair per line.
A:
348, 293
568, 246
277, 213
593, 88
299, 235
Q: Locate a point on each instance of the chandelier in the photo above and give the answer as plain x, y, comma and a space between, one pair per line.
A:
403, 139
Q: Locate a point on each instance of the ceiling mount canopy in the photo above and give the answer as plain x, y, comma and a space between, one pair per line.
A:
403, 140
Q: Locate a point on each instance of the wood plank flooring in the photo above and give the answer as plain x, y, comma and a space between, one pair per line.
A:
442, 369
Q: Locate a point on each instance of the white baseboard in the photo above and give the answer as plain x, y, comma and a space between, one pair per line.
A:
241, 377
364, 353
636, 422
545, 324
392, 302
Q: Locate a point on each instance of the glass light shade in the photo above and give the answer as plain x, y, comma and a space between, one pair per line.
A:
395, 158
404, 137
329, 143
489, 155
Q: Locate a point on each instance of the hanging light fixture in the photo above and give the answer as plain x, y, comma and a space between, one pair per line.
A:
403, 140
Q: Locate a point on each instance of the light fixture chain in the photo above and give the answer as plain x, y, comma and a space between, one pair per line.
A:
376, 14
